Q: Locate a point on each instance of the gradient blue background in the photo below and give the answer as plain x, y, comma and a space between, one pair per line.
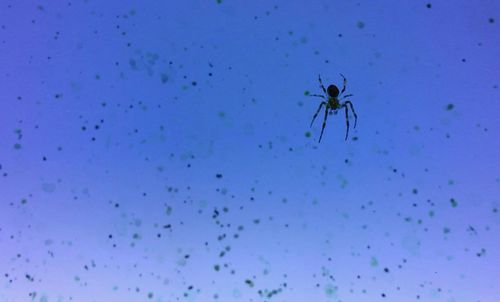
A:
117, 116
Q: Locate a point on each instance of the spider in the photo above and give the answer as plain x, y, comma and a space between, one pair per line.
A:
332, 103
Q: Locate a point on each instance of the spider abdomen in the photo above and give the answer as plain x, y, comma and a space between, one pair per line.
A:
333, 103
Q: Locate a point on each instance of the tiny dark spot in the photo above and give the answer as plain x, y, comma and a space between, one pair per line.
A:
453, 202
249, 282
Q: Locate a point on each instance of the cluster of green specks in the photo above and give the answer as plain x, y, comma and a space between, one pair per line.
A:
269, 293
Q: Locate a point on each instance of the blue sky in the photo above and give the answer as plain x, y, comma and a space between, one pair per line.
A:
161, 151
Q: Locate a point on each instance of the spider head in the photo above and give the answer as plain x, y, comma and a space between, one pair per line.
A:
333, 91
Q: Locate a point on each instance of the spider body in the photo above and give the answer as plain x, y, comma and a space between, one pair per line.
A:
332, 103
333, 100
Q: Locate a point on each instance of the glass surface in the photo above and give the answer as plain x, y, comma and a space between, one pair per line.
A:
162, 151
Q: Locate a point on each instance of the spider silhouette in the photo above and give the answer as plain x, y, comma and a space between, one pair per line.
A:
332, 103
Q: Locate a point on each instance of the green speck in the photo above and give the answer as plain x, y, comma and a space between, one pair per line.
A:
453, 202
133, 64
19, 133
164, 78
249, 282
446, 230
306, 92
450, 107
308, 134
330, 290
48, 187
17, 146
181, 262
168, 210
342, 181
374, 262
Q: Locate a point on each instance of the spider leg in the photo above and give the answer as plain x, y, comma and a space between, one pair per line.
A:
345, 83
346, 121
324, 125
317, 95
353, 112
347, 95
317, 111
321, 84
